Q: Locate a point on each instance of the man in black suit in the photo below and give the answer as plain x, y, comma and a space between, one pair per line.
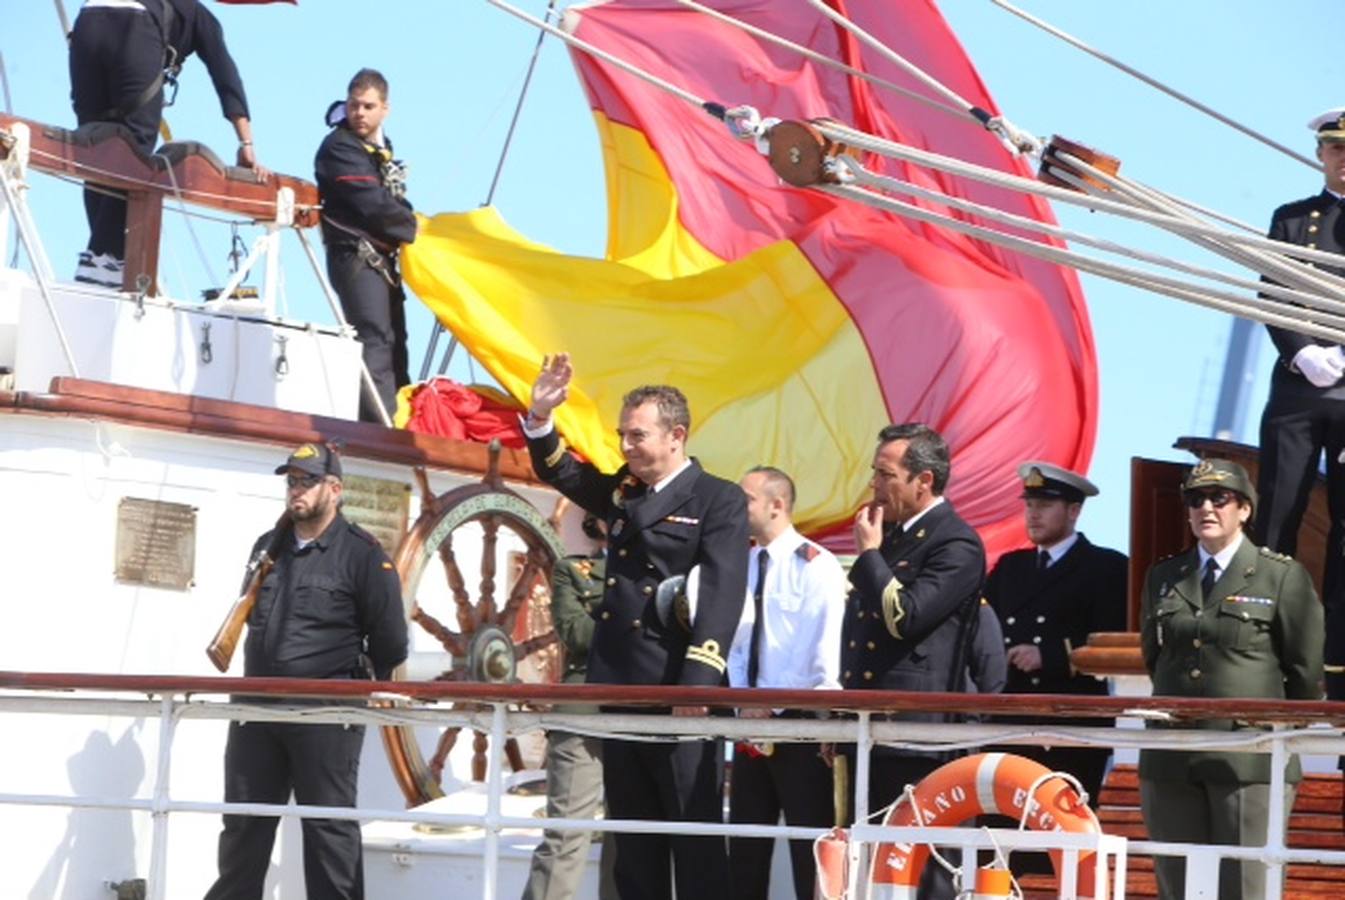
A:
916, 590
1049, 599
665, 515
1305, 413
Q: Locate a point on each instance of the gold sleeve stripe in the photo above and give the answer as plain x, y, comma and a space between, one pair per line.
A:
554, 459
1069, 658
892, 611
1333, 670
708, 654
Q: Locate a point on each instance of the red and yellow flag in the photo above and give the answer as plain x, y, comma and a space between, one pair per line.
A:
797, 324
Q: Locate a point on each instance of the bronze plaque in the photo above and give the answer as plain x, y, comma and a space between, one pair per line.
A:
156, 544
377, 505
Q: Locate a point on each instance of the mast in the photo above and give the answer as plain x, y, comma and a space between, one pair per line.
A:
1235, 386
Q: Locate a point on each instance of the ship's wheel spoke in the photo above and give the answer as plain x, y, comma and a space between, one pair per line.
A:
462, 601
527, 648
441, 752
534, 567
451, 641
490, 533
514, 755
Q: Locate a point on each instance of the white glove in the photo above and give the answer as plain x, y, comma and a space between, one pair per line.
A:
1322, 366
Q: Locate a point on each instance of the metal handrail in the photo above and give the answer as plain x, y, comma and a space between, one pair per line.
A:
865, 721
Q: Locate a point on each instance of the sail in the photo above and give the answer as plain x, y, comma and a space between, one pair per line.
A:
797, 324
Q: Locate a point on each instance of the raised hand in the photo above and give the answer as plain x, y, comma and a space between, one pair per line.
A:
552, 386
869, 527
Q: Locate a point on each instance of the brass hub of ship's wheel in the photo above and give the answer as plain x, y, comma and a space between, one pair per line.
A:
487, 640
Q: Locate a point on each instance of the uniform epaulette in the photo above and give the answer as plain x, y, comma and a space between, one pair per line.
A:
808, 551
1281, 557
362, 533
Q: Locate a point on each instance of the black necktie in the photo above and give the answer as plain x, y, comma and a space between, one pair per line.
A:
758, 623
1043, 560
1207, 580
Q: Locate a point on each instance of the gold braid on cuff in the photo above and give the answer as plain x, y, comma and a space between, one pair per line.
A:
554, 459
708, 654
892, 611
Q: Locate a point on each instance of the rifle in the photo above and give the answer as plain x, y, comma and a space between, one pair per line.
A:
221, 649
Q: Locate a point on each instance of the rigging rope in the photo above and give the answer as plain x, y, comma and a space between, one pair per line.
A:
821, 58
1139, 202
1155, 83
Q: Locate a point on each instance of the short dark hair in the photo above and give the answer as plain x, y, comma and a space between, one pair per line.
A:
780, 484
369, 78
672, 404
594, 528
926, 451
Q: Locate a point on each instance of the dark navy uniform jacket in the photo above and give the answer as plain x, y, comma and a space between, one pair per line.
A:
325, 608
194, 29
355, 202
1056, 609
1319, 223
694, 520
914, 602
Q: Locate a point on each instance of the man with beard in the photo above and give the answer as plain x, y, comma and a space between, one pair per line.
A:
1049, 599
330, 608
365, 220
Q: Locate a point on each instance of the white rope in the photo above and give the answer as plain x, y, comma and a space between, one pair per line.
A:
594, 51
1180, 225
1221, 301
1272, 266
1154, 83
191, 229
960, 112
888, 184
1014, 138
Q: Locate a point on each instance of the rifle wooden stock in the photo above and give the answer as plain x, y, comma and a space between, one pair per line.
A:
221, 649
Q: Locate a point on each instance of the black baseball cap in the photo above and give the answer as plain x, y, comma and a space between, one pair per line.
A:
313, 459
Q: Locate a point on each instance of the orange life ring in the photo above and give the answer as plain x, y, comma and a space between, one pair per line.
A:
984, 784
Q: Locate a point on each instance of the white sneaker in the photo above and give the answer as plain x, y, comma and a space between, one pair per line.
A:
103, 270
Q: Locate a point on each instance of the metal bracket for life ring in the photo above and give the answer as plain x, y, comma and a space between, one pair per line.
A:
282, 361
207, 352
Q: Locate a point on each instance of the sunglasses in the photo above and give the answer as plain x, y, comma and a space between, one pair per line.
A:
304, 482
1217, 499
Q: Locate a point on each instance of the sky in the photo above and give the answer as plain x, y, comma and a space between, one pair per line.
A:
456, 68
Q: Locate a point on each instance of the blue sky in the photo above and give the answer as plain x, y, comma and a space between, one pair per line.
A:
456, 66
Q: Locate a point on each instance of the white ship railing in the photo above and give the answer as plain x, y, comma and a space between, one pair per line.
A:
1296, 727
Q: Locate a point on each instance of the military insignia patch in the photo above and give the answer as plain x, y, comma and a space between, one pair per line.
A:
307, 451
1034, 479
618, 526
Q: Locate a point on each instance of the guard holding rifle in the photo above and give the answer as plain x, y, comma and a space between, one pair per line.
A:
365, 220
330, 607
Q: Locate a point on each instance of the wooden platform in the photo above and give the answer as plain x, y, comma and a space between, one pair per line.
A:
1314, 824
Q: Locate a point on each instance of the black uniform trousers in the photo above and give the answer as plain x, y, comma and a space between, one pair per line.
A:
889, 773
793, 780
115, 54
1295, 429
377, 311
671, 782
263, 763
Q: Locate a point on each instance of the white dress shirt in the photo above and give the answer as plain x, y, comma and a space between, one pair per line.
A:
1222, 559
803, 605
1060, 548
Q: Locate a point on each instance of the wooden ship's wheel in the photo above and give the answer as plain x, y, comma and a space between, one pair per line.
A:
482, 638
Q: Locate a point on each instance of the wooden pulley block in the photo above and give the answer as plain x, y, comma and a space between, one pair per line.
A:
799, 153
1095, 158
